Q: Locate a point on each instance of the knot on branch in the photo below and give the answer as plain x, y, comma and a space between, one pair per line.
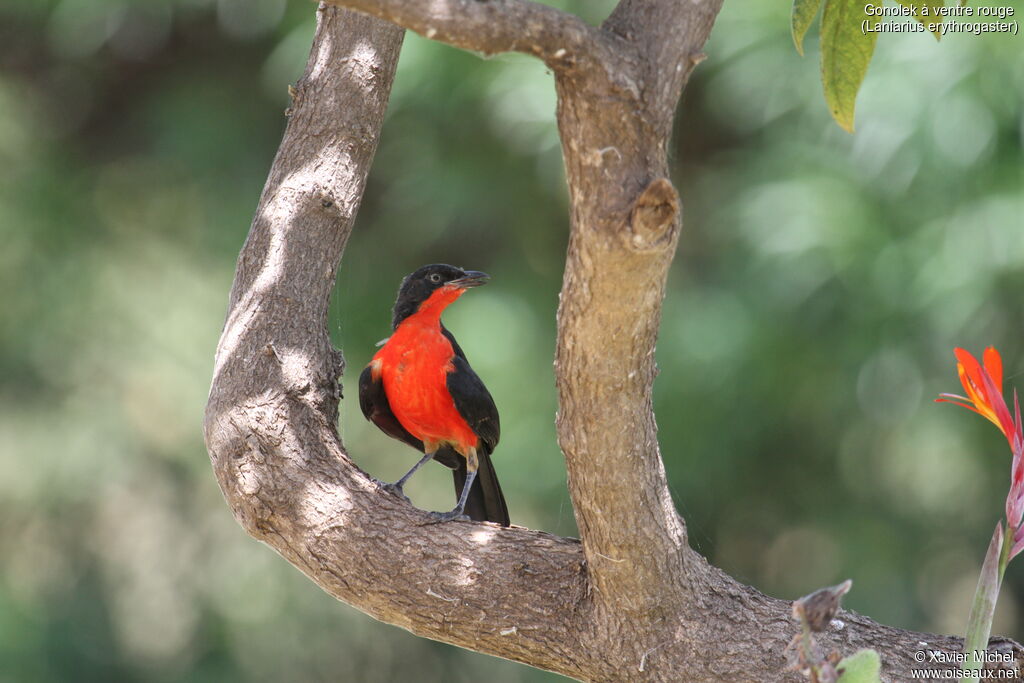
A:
328, 203
654, 220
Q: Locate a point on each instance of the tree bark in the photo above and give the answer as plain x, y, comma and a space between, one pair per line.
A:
632, 601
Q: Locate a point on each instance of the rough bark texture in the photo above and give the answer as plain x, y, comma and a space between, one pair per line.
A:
633, 601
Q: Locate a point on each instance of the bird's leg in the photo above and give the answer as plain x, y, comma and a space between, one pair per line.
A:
471, 467
396, 488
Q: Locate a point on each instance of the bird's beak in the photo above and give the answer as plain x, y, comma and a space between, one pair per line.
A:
472, 278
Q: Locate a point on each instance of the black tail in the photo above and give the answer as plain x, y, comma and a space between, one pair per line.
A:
486, 502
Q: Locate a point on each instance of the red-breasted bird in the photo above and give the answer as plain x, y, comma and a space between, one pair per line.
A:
420, 390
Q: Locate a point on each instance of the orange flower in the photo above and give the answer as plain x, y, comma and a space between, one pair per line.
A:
984, 387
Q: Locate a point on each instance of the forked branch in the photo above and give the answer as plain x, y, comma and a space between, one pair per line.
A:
633, 602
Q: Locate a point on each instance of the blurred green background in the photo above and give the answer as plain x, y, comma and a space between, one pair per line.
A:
821, 284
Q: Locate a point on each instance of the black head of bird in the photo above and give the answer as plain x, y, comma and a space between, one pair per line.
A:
420, 285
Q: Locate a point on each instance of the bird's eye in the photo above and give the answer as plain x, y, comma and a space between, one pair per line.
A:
434, 277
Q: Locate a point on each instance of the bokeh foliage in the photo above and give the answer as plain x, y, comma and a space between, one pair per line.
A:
821, 284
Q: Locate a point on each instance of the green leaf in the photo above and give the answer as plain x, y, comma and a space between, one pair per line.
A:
845, 54
863, 666
931, 17
804, 12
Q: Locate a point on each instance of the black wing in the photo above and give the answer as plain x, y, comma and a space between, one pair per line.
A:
474, 402
377, 410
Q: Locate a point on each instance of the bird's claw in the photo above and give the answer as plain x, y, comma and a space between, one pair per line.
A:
393, 489
439, 517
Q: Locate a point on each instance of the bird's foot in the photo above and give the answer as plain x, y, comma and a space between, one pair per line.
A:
393, 489
438, 517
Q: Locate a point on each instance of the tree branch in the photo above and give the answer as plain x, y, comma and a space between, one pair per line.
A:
634, 602
625, 222
669, 37
560, 39
271, 418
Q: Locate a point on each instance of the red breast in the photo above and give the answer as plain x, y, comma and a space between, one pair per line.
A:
414, 365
